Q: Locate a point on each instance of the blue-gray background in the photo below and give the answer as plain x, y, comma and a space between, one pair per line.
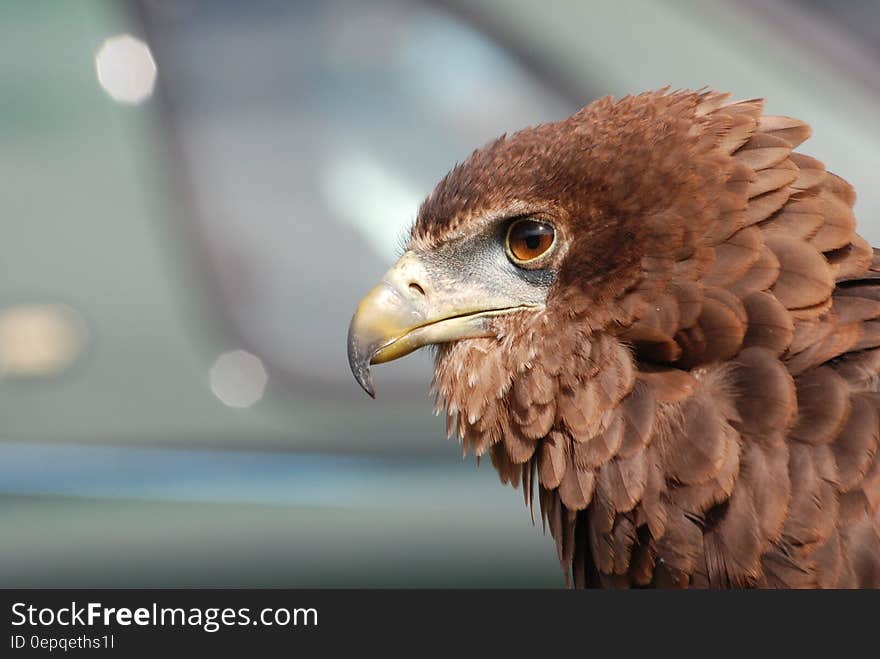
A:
177, 275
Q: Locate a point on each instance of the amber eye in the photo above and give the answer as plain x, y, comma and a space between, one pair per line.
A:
529, 239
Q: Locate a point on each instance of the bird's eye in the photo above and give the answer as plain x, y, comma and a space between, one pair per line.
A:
528, 240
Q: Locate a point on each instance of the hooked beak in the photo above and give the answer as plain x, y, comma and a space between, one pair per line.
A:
406, 311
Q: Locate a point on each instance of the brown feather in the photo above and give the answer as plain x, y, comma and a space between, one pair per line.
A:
823, 405
856, 445
811, 172
760, 276
769, 323
805, 277
791, 130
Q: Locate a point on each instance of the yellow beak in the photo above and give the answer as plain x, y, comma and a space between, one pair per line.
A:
409, 309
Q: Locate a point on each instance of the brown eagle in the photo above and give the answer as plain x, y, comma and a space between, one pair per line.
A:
659, 315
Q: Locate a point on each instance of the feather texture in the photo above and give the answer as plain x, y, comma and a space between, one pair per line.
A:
699, 402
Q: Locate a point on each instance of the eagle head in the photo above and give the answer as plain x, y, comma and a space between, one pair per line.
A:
531, 256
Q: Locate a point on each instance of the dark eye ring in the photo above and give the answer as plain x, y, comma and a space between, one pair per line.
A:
528, 240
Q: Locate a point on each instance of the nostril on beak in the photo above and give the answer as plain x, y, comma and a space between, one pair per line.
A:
416, 288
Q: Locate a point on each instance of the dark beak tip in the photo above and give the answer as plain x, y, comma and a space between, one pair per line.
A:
367, 385
359, 362
361, 372
365, 379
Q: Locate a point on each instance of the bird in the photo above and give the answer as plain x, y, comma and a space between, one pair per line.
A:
657, 315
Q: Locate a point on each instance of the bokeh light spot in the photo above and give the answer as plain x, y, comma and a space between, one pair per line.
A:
126, 69
238, 378
39, 339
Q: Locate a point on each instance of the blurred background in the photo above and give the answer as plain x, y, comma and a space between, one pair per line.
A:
196, 193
